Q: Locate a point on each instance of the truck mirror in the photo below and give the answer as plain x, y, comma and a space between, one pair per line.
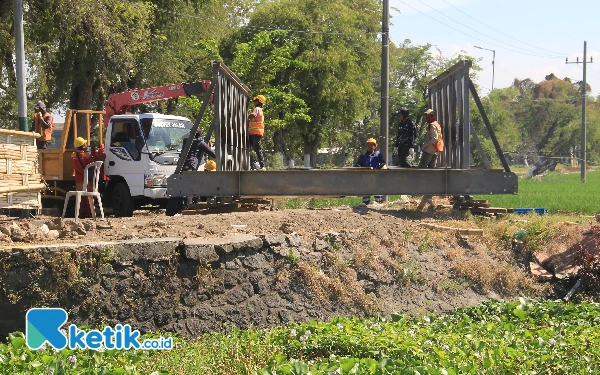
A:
139, 143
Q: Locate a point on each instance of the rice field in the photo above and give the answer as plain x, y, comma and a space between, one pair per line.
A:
557, 192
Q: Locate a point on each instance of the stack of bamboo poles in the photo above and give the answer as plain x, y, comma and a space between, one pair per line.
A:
20, 181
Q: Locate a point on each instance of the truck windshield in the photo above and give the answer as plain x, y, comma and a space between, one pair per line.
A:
166, 135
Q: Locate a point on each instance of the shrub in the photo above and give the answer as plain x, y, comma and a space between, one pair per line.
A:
587, 257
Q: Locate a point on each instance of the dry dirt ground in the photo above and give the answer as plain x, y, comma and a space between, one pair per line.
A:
382, 245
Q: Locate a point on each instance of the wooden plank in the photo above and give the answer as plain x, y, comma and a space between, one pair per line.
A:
472, 204
492, 210
32, 187
463, 231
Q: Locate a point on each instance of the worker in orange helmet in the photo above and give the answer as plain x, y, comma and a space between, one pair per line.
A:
256, 129
374, 159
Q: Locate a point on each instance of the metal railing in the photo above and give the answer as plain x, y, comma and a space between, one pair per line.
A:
449, 98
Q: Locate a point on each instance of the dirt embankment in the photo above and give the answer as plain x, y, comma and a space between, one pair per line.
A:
427, 269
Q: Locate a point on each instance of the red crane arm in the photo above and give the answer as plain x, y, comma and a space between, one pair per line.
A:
119, 103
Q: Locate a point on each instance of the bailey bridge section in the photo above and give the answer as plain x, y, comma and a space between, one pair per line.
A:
449, 95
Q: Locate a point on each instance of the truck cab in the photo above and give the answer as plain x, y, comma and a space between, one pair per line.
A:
142, 151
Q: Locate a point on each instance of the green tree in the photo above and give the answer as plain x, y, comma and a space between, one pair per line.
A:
331, 62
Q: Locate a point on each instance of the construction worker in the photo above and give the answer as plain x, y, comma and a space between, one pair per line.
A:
198, 146
374, 159
405, 139
256, 129
42, 124
434, 143
81, 158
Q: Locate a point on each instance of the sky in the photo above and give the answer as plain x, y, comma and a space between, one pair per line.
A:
531, 38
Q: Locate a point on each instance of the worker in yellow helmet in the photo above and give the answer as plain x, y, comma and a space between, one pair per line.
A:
80, 159
197, 149
374, 159
256, 128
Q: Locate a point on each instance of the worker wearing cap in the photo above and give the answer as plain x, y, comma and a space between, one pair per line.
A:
197, 148
42, 124
374, 159
434, 142
81, 158
433, 145
256, 128
405, 139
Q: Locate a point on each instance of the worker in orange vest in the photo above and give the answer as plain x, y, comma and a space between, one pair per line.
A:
256, 128
42, 124
434, 142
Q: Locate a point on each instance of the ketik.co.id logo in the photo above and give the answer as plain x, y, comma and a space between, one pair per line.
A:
44, 325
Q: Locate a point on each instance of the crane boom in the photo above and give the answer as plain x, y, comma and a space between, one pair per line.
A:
119, 103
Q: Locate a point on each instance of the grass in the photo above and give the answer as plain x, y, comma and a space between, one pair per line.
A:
557, 192
554, 191
520, 337
317, 203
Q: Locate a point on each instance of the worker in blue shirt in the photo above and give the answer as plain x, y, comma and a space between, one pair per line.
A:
374, 159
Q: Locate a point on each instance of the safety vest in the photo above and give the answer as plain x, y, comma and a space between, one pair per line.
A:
439, 145
46, 134
256, 125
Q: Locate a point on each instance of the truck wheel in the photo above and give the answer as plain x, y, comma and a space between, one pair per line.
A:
122, 203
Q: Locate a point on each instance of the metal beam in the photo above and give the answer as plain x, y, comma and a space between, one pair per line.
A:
486, 162
188, 144
490, 130
342, 182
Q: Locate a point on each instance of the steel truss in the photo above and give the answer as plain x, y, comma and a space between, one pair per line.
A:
449, 96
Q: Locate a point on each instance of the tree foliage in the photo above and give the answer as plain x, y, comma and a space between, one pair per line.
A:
542, 118
317, 61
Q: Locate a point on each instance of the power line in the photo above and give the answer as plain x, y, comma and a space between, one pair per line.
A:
507, 72
474, 37
520, 41
487, 36
588, 72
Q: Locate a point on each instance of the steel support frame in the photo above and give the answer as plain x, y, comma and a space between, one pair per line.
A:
449, 98
230, 121
449, 95
341, 182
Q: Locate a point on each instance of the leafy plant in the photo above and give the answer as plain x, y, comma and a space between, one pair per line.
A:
292, 257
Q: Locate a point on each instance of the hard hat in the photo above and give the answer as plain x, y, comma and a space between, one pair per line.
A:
403, 111
430, 112
210, 165
79, 141
260, 98
372, 140
40, 105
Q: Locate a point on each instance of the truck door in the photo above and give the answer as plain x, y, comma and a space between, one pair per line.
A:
122, 158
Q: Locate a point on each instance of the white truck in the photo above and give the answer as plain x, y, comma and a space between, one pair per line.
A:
141, 150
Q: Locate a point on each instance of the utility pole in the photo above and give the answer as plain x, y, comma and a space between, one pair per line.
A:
20, 60
385, 80
583, 105
493, 63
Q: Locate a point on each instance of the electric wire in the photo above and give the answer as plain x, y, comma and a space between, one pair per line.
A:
474, 37
487, 36
520, 41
